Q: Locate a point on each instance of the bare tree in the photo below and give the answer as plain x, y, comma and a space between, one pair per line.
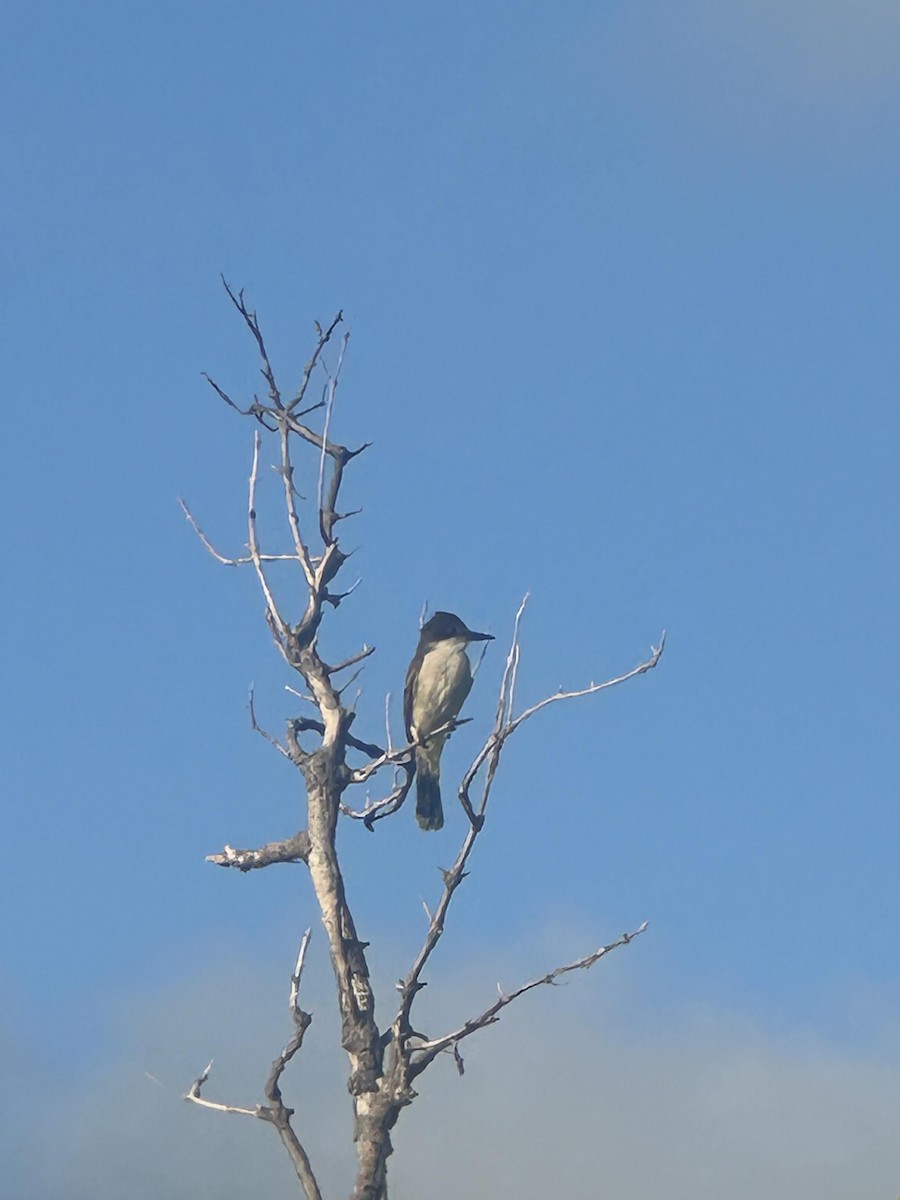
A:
384, 1062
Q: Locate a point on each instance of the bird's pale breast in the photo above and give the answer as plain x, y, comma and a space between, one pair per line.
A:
443, 683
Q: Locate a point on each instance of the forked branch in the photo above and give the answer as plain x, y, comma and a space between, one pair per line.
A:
486, 762
276, 1112
382, 1063
426, 1052
489, 759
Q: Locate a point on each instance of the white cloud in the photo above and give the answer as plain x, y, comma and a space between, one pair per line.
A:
562, 1098
553, 1105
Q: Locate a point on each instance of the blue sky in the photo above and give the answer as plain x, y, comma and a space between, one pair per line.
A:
621, 281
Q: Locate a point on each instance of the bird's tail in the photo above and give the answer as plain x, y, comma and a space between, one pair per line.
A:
429, 810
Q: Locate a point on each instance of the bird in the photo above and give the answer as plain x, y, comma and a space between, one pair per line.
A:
437, 683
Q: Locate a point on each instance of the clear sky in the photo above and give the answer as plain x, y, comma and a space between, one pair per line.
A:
622, 286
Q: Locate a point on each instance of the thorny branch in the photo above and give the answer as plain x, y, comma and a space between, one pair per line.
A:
505, 725
323, 766
276, 1112
426, 1052
382, 1064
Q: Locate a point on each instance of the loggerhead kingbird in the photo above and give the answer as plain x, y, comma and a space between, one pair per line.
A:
437, 683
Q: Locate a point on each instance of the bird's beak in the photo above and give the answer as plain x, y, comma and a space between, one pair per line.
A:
479, 637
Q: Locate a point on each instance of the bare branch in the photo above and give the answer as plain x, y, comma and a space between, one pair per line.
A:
400, 759
326, 428
252, 323
292, 850
457, 873
351, 661
293, 1000
193, 1094
592, 688
302, 724
297, 1154
276, 1112
276, 621
324, 769
387, 723
458, 1059
385, 758
334, 598
504, 726
228, 562
224, 396
426, 1052
340, 691
328, 514
324, 338
512, 669
381, 1064
385, 807
290, 503
257, 728
301, 1022
399, 756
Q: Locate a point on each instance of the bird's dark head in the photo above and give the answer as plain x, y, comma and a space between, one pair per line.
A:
444, 625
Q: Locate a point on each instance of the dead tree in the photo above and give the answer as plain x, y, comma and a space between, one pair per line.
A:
385, 1061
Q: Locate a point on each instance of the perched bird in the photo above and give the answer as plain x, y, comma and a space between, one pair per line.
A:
437, 683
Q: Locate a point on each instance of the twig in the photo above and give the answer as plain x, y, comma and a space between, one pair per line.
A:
276, 1112
400, 756
351, 661
228, 562
303, 724
276, 621
298, 971
591, 690
301, 1021
426, 1052
340, 691
513, 661
290, 503
193, 1094
257, 728
329, 408
378, 809
324, 338
252, 323
387, 723
340, 456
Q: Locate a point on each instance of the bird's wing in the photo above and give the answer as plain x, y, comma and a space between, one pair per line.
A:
408, 695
